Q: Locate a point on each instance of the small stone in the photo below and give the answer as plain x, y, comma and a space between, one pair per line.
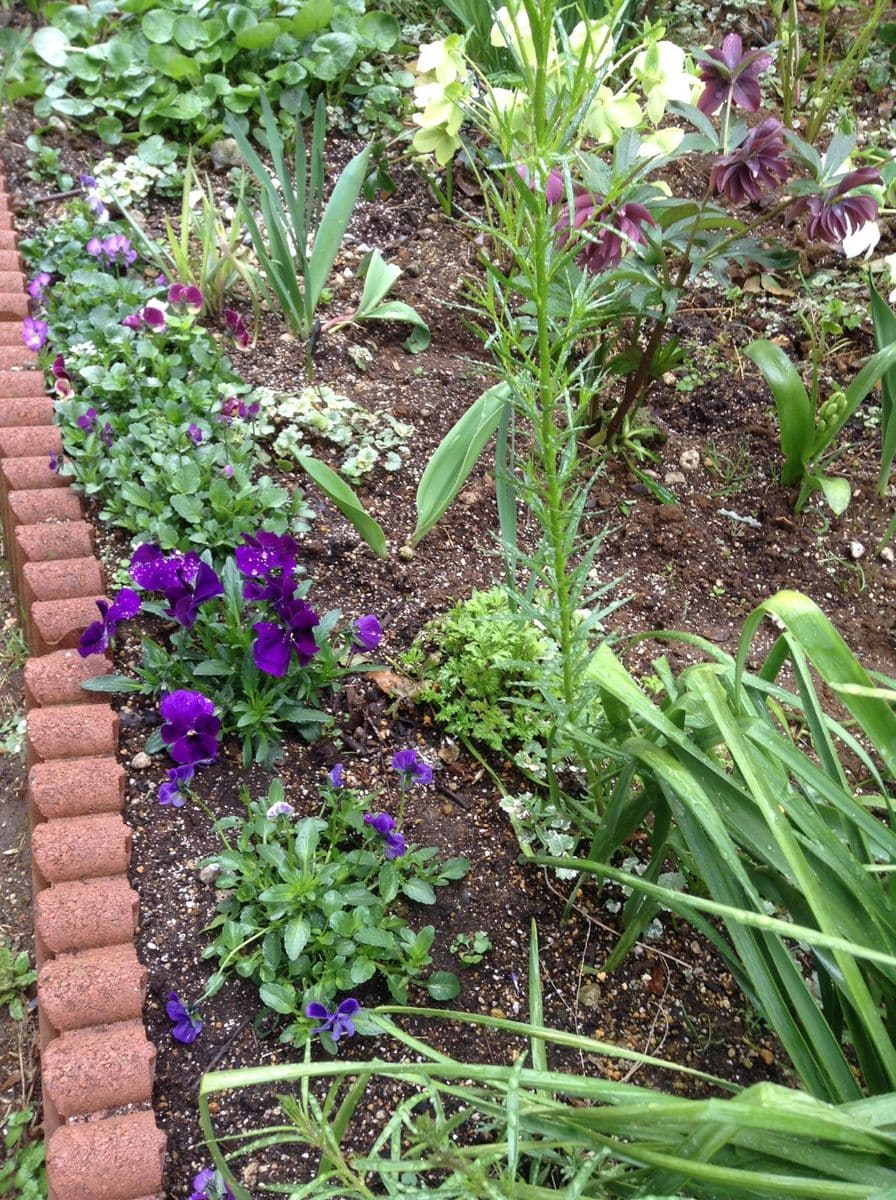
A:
210, 873
674, 477
141, 761
498, 1013
406, 553
447, 809
856, 549
689, 460
766, 1055
887, 554
589, 995
225, 153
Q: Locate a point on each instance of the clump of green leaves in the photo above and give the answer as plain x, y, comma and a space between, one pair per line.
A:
153, 168
22, 1172
368, 438
478, 662
16, 977
471, 948
312, 907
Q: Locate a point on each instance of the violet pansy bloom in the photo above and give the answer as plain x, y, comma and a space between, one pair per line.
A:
368, 632
38, 285
248, 412
186, 1024
115, 249
190, 728
186, 581
154, 315
151, 569
34, 333
275, 644
187, 295
336, 775
384, 825
87, 420
236, 326
97, 636
282, 808
338, 1023
194, 433
732, 75
209, 1185
267, 560
132, 321
412, 768
757, 166
170, 792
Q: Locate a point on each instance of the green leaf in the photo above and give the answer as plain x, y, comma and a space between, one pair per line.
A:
456, 456
281, 997
171, 62
885, 335
109, 129
455, 868
332, 54
260, 36
837, 492
443, 985
190, 508
396, 310
51, 44
796, 414
337, 490
419, 890
379, 29
111, 683
313, 16
362, 969
189, 32
158, 25
333, 224
156, 151
372, 936
295, 937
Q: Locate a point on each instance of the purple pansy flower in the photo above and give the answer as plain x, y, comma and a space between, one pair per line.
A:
836, 216
396, 846
336, 775
248, 412
107, 435
54, 462
730, 74
268, 560
34, 333
209, 1185
282, 808
236, 326
96, 637
151, 570
194, 432
186, 1024
133, 321
187, 295
337, 1023
178, 777
190, 728
154, 315
275, 644
368, 632
38, 284
87, 420
58, 367
185, 580
412, 768
757, 166
114, 249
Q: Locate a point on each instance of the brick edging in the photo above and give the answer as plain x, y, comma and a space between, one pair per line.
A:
97, 1066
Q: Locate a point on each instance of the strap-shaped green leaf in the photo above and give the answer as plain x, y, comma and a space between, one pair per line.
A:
337, 490
796, 415
885, 335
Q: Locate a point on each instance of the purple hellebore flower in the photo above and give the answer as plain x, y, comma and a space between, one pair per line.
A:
38, 284
235, 325
274, 644
178, 778
622, 228
835, 215
34, 333
368, 632
337, 1023
281, 809
758, 165
87, 420
186, 1024
96, 637
412, 768
554, 185
194, 432
208, 1185
268, 560
396, 846
731, 74
336, 775
187, 295
190, 728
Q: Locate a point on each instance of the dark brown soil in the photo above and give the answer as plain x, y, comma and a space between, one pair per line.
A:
686, 565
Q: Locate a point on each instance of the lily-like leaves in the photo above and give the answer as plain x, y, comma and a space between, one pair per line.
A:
796, 412
885, 335
344, 498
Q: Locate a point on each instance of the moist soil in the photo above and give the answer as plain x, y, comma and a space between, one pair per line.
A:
700, 564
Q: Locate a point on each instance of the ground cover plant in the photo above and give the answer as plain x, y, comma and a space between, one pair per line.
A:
535, 487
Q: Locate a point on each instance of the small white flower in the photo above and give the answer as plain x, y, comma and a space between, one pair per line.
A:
861, 241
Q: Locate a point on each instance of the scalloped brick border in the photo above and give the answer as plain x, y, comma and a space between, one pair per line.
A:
103, 1142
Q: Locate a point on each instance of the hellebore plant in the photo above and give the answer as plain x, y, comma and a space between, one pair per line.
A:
304, 946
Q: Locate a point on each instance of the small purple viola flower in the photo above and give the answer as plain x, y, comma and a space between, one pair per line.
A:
227, 471
267, 559
58, 367
54, 462
94, 247
87, 420
209, 1185
384, 825
731, 74
154, 315
337, 1023
86, 181
196, 583
187, 295
281, 809
195, 433
94, 203
236, 326
228, 408
34, 333
757, 166
275, 644
190, 729
336, 775
411, 768
836, 216
368, 632
151, 570
248, 412
186, 1024
170, 792
63, 388
115, 249
133, 321
97, 636
37, 286
107, 435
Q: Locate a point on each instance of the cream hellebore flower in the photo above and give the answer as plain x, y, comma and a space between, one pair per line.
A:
595, 37
661, 142
511, 30
439, 92
506, 108
662, 72
609, 114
